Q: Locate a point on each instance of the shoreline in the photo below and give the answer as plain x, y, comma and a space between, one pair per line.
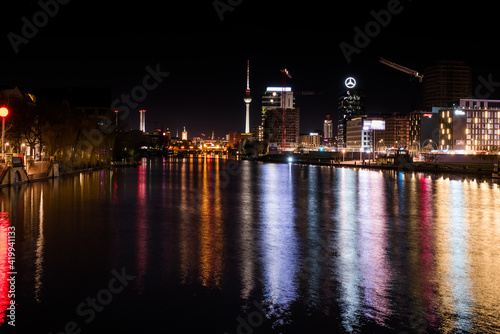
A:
402, 167
49, 175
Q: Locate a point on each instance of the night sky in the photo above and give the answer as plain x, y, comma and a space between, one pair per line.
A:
95, 43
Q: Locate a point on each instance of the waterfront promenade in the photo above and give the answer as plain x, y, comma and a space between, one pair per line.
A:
477, 169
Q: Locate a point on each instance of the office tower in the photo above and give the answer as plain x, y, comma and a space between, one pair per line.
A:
446, 82
142, 120
272, 118
350, 105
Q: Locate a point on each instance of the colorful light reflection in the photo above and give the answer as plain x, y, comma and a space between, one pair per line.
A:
4, 266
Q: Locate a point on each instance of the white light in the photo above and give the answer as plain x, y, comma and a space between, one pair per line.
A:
459, 112
290, 159
278, 89
350, 82
373, 125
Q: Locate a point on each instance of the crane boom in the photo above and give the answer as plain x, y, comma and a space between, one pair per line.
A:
402, 69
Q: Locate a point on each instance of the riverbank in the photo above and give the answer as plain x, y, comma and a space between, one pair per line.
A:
13, 175
479, 170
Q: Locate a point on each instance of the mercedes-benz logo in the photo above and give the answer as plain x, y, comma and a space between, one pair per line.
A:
350, 82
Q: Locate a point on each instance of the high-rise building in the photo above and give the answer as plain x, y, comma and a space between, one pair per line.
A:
277, 122
184, 134
247, 100
142, 120
446, 82
328, 129
350, 105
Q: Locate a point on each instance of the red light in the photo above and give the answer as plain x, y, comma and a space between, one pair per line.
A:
427, 115
4, 112
4, 265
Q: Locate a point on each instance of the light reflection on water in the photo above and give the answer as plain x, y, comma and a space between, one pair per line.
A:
401, 251
278, 241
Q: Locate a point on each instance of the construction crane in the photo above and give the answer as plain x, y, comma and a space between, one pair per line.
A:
307, 93
401, 68
285, 74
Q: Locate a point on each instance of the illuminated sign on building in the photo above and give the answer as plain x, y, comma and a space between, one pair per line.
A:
459, 112
350, 82
427, 115
373, 125
278, 89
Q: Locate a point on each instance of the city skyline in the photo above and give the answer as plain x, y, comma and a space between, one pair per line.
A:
206, 63
231, 166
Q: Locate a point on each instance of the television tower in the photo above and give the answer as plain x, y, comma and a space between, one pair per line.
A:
247, 100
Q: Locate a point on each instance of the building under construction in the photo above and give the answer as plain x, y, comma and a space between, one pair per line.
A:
280, 123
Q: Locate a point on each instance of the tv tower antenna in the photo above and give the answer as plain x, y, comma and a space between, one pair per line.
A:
247, 100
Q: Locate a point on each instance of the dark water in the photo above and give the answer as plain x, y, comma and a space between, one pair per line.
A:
222, 246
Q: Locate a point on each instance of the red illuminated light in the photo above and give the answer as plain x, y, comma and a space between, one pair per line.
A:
4, 266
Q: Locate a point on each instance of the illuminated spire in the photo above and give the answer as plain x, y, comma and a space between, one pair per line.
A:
247, 100
248, 76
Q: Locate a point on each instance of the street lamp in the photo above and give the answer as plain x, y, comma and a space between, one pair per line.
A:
3, 113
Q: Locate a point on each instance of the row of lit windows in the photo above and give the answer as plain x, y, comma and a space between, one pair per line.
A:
480, 114
481, 132
483, 137
482, 142
476, 120
484, 126
478, 148
485, 114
